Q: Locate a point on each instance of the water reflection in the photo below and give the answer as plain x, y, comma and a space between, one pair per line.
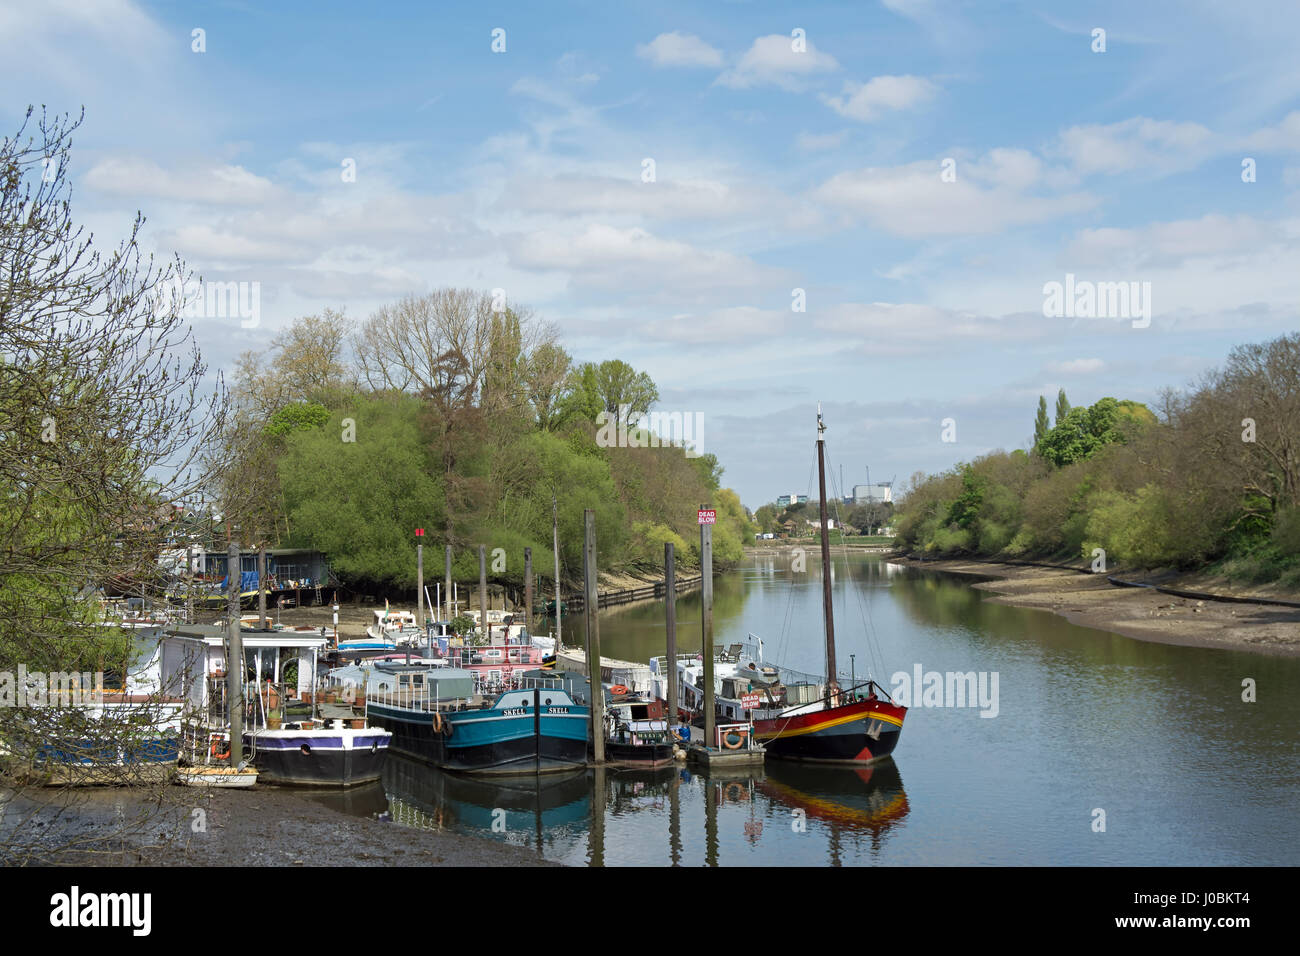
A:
851, 802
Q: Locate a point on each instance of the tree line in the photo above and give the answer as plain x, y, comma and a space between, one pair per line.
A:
462, 414
1209, 478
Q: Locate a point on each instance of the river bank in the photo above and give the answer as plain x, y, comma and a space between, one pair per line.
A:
266, 826
1140, 613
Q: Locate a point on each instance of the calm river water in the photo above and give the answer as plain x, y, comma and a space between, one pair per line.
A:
1090, 728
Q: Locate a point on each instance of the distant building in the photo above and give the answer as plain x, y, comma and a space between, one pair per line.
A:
866, 494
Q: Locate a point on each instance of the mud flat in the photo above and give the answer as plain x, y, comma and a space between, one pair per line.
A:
180, 826
1144, 614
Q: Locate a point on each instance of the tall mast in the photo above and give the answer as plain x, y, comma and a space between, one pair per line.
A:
832, 685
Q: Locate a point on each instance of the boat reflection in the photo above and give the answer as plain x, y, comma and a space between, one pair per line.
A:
850, 801
434, 800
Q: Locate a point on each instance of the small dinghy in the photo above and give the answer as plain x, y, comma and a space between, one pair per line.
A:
227, 777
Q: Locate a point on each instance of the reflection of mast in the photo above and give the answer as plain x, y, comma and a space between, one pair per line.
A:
596, 856
675, 820
710, 822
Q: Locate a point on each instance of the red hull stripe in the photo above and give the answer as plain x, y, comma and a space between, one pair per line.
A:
821, 720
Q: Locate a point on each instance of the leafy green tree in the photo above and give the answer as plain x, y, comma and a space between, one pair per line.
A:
1041, 424
1062, 406
360, 501
625, 393
296, 417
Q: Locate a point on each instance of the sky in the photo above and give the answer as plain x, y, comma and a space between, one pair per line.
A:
763, 206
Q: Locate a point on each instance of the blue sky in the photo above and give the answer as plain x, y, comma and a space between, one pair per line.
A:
775, 169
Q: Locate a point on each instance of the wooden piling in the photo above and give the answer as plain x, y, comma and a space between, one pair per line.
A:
706, 622
235, 657
528, 589
593, 635
670, 627
482, 591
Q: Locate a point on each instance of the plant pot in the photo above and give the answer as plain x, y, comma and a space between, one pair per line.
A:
273, 723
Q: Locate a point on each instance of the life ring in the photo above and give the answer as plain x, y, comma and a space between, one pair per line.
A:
726, 740
215, 751
734, 793
618, 690
437, 722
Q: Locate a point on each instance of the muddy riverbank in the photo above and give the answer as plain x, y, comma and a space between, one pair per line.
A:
1141, 613
181, 826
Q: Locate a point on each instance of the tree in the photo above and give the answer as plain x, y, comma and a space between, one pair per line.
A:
1084, 430
361, 501
625, 393
1062, 406
1041, 425
545, 375
103, 408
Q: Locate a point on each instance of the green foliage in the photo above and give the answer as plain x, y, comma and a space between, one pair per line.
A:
1133, 529
1041, 423
296, 417
1083, 431
360, 502
966, 508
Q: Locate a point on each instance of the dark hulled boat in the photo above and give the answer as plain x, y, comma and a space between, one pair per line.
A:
335, 755
853, 726
637, 733
537, 729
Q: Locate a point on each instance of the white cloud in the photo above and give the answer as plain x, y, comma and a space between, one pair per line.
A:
608, 258
142, 178
773, 61
868, 101
674, 199
679, 49
1136, 143
1285, 136
1081, 366
1172, 244
908, 328
914, 201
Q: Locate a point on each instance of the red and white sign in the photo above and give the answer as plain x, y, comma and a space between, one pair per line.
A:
751, 701
419, 532
708, 517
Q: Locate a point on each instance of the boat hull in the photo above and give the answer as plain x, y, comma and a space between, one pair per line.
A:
638, 755
489, 741
860, 732
332, 758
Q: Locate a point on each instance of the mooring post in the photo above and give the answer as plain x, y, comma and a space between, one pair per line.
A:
555, 534
261, 585
592, 610
528, 589
235, 659
706, 613
482, 591
447, 590
670, 623
419, 586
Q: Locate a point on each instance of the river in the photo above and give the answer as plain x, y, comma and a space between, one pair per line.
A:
1095, 749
